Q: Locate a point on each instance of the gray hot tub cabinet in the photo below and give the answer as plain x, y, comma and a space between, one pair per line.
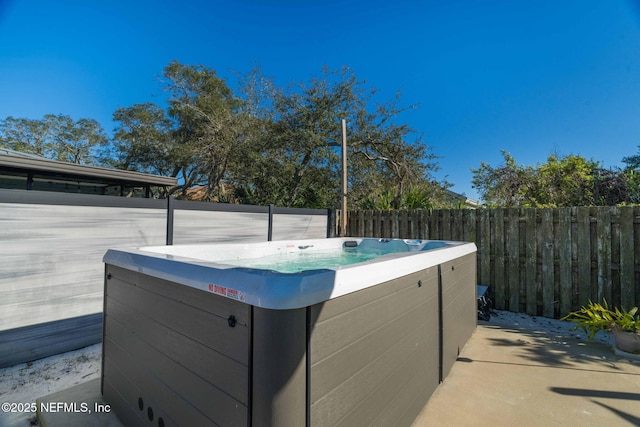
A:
176, 355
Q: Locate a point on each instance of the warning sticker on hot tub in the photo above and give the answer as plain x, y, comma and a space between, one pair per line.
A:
227, 292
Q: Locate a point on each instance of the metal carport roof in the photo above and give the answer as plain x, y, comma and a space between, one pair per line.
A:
21, 165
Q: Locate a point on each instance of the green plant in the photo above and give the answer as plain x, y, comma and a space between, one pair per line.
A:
598, 317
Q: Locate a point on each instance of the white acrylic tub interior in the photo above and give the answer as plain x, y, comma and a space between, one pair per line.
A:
229, 269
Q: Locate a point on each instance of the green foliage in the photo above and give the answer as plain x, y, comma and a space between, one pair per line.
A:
26, 136
424, 196
632, 175
614, 187
262, 144
633, 162
598, 317
507, 185
561, 181
381, 200
56, 137
564, 181
297, 134
206, 133
632, 178
416, 198
142, 140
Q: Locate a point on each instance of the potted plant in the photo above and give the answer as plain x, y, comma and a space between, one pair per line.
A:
624, 325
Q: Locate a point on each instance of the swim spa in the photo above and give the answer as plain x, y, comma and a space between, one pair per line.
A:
328, 332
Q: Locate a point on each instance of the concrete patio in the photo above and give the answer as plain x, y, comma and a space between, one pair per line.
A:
516, 376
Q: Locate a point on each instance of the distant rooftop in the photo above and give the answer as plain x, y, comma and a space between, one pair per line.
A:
32, 172
470, 203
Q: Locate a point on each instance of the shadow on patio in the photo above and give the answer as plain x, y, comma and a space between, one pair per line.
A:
530, 376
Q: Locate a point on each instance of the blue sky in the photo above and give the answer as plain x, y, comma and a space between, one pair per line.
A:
529, 77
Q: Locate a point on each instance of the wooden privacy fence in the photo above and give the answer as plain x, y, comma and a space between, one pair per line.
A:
537, 261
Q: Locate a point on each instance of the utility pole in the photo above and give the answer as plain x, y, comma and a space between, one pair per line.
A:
343, 217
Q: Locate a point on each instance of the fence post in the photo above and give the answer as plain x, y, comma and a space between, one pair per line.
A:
330, 229
170, 208
270, 227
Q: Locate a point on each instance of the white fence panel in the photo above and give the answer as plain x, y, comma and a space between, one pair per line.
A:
51, 257
52, 244
294, 226
198, 226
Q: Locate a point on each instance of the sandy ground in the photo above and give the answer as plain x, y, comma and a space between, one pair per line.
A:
22, 384
552, 327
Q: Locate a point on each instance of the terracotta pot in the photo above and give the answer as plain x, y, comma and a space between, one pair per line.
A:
628, 342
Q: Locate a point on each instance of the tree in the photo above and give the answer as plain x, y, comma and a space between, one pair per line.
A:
300, 141
614, 187
269, 144
26, 135
208, 133
56, 137
632, 174
142, 140
509, 185
562, 181
76, 142
393, 154
633, 162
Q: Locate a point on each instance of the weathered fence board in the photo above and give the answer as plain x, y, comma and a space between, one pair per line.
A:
583, 239
499, 240
564, 253
627, 259
546, 244
531, 261
483, 243
513, 257
539, 261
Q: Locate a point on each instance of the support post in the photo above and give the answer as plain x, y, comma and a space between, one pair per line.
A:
170, 208
270, 227
343, 216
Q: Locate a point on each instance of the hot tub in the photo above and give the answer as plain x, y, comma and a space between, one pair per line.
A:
331, 332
